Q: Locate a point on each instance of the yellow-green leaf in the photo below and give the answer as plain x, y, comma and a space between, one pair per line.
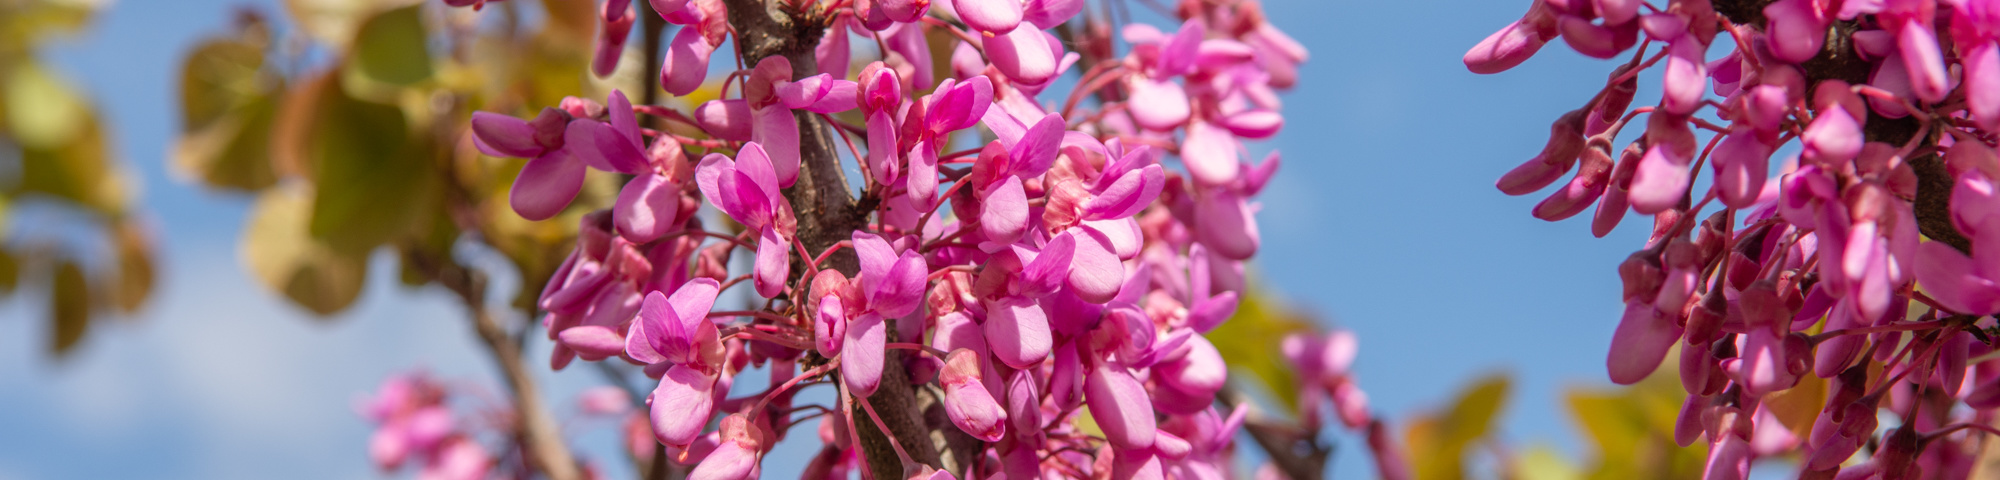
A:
10, 272
390, 47
373, 180
43, 111
1439, 443
281, 254
333, 22
79, 170
69, 308
222, 75
1249, 342
135, 266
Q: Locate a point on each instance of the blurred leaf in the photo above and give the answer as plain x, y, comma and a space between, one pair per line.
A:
575, 22
333, 22
233, 152
135, 266
1799, 406
10, 272
1249, 342
69, 308
1438, 442
25, 24
1633, 428
229, 103
1542, 462
43, 112
80, 171
373, 180
222, 75
285, 258
390, 47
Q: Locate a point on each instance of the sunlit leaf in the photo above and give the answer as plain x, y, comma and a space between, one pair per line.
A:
223, 74
374, 180
390, 47
1438, 443
135, 266
1632, 428
10, 272
574, 22
69, 308
1249, 342
286, 259
43, 111
26, 25
79, 170
1542, 462
333, 22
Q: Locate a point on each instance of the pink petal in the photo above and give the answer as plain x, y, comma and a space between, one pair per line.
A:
991, 16
1504, 49
686, 64
773, 263
593, 342
504, 136
778, 132
1022, 54
1660, 182
829, 327
967, 402
1209, 153
1046, 14
902, 290
1919, 46
1119, 404
1227, 225
1017, 332
1003, 214
725, 119
882, 158
1157, 105
646, 208
1640, 343
862, 354
546, 185
681, 405
1095, 274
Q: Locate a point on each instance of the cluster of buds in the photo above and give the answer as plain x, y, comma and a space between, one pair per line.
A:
1871, 260
1074, 267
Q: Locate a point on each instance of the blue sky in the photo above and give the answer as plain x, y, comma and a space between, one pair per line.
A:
1384, 220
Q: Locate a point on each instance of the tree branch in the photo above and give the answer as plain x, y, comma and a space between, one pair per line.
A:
539, 437
828, 213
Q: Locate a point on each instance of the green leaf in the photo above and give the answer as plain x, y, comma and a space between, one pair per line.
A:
1249, 342
135, 266
10, 272
69, 308
390, 47
281, 254
43, 111
80, 171
374, 182
1438, 443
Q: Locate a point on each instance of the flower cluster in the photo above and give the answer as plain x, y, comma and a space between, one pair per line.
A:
414, 425
1869, 260
1073, 268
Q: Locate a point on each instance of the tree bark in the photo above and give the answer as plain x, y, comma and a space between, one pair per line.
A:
1838, 60
541, 441
827, 213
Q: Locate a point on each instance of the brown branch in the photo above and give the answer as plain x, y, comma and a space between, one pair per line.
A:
539, 437
828, 213
1839, 60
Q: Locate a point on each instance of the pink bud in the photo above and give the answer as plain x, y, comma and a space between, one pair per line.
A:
1504, 49
966, 399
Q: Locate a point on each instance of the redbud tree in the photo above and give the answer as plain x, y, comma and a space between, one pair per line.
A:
997, 230
1832, 303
